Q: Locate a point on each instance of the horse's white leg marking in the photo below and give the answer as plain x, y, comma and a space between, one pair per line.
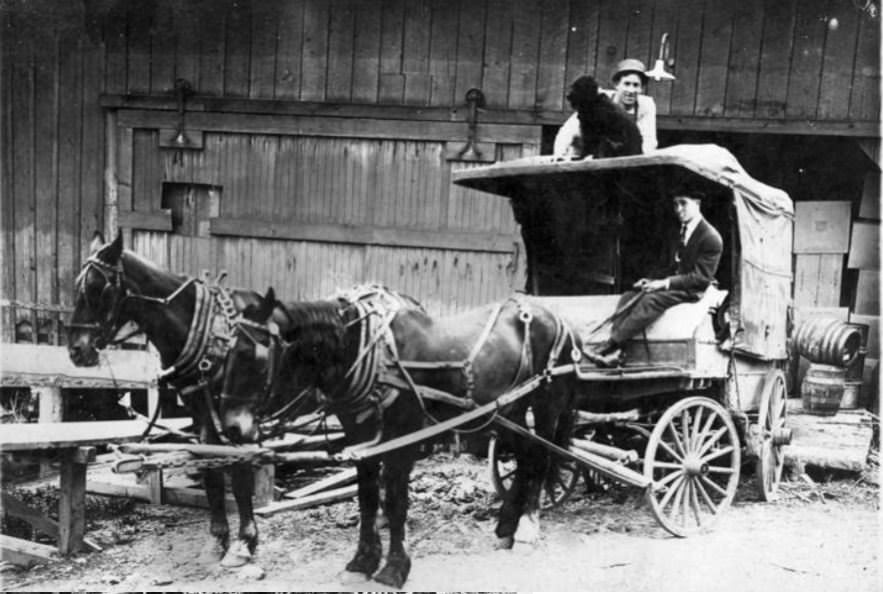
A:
528, 527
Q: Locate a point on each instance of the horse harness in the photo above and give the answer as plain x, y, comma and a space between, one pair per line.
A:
200, 361
378, 374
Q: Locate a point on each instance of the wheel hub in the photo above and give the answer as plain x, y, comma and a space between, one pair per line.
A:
782, 436
694, 466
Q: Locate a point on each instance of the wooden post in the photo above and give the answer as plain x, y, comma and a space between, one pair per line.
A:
51, 405
50, 409
72, 505
153, 480
264, 484
111, 183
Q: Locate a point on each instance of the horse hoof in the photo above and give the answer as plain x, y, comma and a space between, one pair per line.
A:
504, 543
395, 573
528, 529
213, 551
366, 559
237, 555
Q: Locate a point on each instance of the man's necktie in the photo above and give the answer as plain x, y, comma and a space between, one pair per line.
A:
684, 234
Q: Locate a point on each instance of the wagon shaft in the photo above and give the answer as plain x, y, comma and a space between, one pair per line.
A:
583, 457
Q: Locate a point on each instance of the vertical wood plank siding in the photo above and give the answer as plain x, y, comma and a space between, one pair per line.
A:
755, 60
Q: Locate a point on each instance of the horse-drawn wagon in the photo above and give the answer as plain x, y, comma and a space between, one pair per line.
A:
702, 384
706, 380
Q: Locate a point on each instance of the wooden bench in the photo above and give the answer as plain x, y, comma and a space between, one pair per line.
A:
76, 443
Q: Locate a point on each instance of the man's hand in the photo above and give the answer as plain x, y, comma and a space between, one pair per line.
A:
648, 286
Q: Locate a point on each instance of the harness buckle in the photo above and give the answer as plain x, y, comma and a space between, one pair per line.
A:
204, 365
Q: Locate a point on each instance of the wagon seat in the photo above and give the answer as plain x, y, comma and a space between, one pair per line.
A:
683, 337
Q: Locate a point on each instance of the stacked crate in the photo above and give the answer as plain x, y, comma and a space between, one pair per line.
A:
863, 266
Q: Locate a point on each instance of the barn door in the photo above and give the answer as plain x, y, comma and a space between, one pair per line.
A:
321, 204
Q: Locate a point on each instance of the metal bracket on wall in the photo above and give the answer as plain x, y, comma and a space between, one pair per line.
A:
181, 138
472, 150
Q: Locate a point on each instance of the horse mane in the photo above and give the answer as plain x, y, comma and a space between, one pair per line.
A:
315, 331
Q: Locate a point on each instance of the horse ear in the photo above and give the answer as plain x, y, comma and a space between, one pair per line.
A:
114, 250
97, 242
268, 304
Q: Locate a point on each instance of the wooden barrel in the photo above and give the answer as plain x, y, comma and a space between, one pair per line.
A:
827, 340
852, 391
822, 389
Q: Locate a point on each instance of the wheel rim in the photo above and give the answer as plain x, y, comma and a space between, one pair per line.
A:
693, 457
771, 424
560, 483
557, 487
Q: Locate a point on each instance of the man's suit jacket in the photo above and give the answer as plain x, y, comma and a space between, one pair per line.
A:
698, 260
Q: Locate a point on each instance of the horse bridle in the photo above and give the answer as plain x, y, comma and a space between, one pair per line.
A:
271, 353
104, 333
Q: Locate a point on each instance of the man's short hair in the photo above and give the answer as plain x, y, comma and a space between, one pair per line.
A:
694, 194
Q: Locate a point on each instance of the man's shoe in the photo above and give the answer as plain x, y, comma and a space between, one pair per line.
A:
611, 359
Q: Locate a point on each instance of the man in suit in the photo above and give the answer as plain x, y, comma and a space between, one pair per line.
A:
695, 263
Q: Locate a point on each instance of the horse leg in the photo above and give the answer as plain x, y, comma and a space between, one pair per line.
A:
396, 473
241, 551
213, 551
370, 550
551, 422
531, 471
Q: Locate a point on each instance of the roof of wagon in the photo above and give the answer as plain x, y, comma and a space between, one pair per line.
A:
702, 163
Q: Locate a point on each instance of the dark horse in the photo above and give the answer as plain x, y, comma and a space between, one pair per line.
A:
386, 369
189, 324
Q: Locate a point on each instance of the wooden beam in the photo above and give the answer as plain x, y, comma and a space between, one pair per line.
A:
332, 496
43, 436
28, 365
293, 125
477, 241
335, 480
777, 126
150, 221
264, 485
24, 552
864, 129
37, 519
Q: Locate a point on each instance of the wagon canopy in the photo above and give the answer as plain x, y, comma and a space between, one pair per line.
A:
594, 226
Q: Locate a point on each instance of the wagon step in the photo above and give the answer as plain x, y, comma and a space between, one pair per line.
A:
601, 464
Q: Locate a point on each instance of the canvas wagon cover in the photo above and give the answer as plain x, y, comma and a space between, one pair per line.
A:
765, 220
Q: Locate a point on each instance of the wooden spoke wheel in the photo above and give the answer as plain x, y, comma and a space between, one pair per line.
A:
693, 457
557, 488
773, 435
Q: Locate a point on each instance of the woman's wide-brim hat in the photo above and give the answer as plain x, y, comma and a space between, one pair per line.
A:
629, 66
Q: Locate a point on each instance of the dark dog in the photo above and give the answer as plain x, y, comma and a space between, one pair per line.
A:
606, 130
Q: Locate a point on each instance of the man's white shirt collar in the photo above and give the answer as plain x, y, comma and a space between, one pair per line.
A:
691, 226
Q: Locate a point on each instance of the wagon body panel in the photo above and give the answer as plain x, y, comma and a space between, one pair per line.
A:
586, 226
682, 338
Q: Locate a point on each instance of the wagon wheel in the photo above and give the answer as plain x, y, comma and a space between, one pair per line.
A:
693, 457
557, 488
773, 435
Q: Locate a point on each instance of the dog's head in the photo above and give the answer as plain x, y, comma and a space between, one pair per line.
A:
583, 93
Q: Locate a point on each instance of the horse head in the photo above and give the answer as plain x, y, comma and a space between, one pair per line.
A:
279, 354
99, 294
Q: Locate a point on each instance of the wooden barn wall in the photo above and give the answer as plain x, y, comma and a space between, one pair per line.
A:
451, 248
755, 65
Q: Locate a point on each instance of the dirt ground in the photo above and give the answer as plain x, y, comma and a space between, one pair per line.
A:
823, 537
